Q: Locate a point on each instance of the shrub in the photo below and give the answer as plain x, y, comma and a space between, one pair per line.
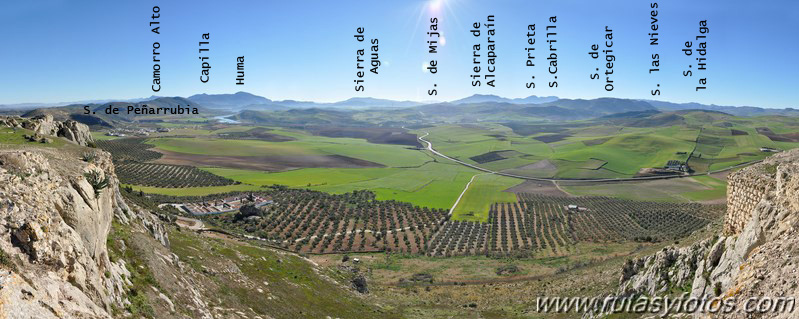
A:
89, 157
507, 269
771, 168
5, 261
97, 180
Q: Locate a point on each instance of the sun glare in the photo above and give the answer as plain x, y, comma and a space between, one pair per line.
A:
436, 5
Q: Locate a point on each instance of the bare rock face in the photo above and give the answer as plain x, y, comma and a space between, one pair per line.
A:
672, 267
54, 224
758, 254
769, 245
70, 130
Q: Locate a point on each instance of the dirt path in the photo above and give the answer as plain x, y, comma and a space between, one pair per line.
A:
190, 223
463, 192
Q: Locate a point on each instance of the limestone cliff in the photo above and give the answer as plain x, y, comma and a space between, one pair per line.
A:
757, 253
70, 130
72, 245
55, 225
56, 211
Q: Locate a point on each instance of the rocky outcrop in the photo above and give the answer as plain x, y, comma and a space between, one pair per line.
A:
672, 267
757, 254
70, 130
133, 214
55, 216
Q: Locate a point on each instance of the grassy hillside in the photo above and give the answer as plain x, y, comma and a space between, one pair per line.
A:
600, 149
231, 278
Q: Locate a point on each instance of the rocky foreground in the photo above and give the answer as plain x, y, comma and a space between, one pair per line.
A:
72, 245
44, 126
55, 217
756, 255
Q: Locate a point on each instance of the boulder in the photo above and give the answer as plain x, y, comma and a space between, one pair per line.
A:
70, 130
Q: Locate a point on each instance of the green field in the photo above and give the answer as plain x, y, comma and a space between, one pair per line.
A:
717, 189
9, 136
698, 188
623, 154
576, 150
606, 151
100, 136
388, 155
410, 175
433, 184
307, 177
485, 190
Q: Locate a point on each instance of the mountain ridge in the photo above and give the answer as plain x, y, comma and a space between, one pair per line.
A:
244, 100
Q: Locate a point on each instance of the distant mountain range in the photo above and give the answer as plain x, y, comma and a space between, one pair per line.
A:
617, 112
247, 101
483, 98
601, 106
557, 110
98, 116
734, 110
228, 101
30, 106
474, 108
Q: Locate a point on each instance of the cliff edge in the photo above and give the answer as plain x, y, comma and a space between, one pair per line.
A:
756, 254
55, 214
75, 245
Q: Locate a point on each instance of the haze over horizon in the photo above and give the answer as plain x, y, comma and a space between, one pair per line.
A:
152, 97
107, 56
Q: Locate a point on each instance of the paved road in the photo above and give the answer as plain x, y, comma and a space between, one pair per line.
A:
595, 180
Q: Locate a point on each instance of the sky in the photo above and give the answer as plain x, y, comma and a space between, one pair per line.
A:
59, 50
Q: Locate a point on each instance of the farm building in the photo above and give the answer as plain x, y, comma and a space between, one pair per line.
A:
676, 165
224, 205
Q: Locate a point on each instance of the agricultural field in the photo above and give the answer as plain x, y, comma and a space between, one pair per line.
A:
194, 191
545, 222
132, 158
544, 225
535, 225
585, 150
100, 136
161, 175
316, 222
302, 151
129, 150
703, 188
481, 194
336, 165
390, 163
